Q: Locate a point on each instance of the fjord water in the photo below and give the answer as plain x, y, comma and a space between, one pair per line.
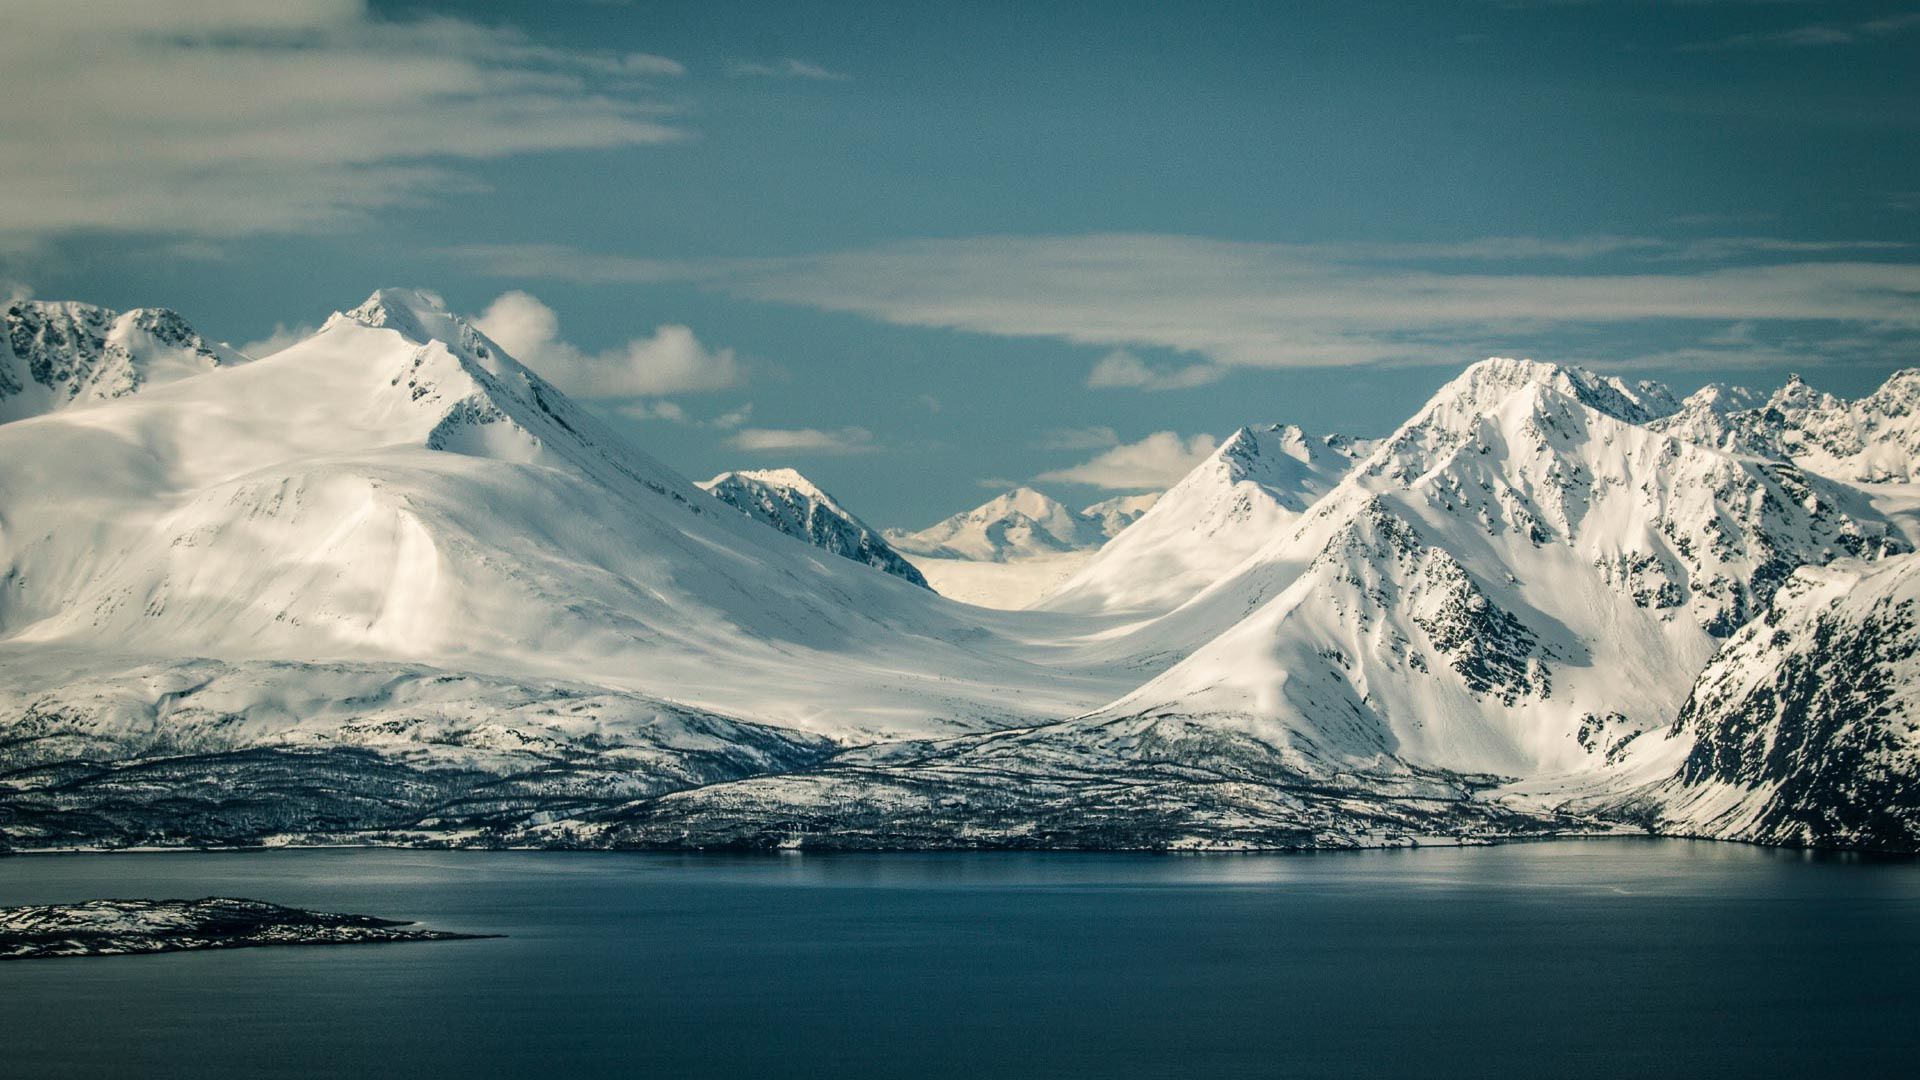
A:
1567, 959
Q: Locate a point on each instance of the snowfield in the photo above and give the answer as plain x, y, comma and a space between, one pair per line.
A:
389, 585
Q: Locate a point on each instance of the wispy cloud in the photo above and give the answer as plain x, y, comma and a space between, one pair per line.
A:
1155, 462
846, 440
671, 361
1228, 303
735, 418
786, 67
1267, 305
674, 412
1121, 368
659, 409
280, 338
1814, 35
233, 118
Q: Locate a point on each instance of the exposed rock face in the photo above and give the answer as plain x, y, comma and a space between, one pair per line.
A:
57, 354
789, 502
1806, 728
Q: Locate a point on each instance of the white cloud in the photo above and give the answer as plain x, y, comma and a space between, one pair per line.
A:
727, 421
655, 410
1121, 368
672, 361
1813, 35
784, 68
281, 337
674, 412
847, 440
228, 117
1276, 305
1155, 462
1291, 305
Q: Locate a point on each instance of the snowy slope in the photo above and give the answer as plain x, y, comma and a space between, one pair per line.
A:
1014, 585
1023, 523
1231, 505
1805, 729
397, 489
58, 354
789, 502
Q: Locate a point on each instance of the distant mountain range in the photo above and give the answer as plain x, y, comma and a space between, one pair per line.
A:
1022, 524
389, 585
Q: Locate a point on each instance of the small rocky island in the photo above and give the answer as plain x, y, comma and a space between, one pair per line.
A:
121, 927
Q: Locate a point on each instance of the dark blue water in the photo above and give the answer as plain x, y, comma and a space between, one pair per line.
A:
1568, 959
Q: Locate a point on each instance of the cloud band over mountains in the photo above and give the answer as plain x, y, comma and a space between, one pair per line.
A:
1268, 305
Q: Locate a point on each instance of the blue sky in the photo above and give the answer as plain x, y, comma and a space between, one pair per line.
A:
921, 251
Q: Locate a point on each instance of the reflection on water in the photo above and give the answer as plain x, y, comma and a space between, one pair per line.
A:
1573, 958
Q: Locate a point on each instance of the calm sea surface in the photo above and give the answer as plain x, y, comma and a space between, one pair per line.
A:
1618, 958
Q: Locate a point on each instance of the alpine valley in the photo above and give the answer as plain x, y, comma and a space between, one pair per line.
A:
390, 586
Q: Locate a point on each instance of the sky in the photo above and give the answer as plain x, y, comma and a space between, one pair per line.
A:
926, 252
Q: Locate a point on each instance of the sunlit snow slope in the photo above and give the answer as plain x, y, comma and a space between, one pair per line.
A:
396, 488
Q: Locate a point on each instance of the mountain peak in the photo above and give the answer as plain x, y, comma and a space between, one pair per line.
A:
383, 306
786, 478
1797, 395
1017, 524
1720, 398
415, 314
1252, 489
1493, 379
1026, 500
786, 500
1902, 385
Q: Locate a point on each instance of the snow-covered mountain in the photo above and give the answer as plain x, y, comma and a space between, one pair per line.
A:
1120, 511
789, 502
1017, 548
58, 354
1805, 729
1470, 597
1523, 581
390, 584
1021, 524
1723, 417
1874, 440
1231, 505
396, 489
